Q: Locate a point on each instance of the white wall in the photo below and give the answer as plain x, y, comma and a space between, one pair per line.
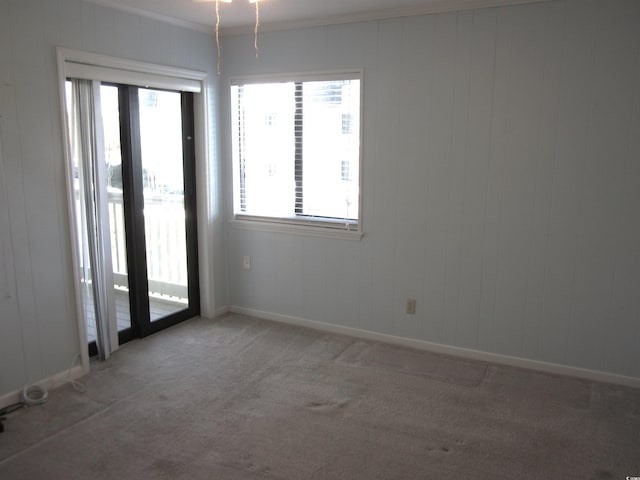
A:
38, 329
501, 183
502, 180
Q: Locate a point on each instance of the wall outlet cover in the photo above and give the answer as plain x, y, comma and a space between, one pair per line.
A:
411, 306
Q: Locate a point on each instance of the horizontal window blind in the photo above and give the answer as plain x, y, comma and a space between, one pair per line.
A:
296, 150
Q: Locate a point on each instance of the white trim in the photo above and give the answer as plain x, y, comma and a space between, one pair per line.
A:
312, 76
198, 27
205, 204
67, 57
118, 63
130, 77
293, 229
432, 7
428, 8
94, 66
553, 368
51, 382
221, 311
345, 229
204, 201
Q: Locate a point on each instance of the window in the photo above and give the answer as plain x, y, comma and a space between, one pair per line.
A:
296, 151
345, 170
347, 124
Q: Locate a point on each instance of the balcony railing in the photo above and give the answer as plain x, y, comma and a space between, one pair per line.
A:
164, 218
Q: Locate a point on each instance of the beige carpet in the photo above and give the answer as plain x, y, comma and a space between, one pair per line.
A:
242, 398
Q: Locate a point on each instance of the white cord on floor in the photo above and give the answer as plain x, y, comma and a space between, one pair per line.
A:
34, 395
37, 395
77, 385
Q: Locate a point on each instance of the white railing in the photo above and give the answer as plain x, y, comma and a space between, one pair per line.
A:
164, 218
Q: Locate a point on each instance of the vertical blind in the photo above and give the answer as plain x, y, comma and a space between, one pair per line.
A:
90, 211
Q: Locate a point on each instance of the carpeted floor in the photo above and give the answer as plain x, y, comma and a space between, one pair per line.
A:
242, 398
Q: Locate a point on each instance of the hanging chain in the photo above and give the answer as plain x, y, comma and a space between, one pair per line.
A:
218, 33
255, 32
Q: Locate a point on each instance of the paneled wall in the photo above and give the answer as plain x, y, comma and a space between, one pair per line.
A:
501, 180
501, 183
38, 332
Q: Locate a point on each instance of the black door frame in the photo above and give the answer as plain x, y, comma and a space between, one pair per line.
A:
133, 204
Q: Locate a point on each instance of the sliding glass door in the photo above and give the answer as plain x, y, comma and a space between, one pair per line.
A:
156, 131
142, 193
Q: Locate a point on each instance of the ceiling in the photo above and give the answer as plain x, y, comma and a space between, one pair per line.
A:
275, 14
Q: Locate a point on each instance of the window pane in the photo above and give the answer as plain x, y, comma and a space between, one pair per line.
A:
164, 209
266, 149
331, 145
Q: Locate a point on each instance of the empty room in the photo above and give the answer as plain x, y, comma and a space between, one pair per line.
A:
306, 240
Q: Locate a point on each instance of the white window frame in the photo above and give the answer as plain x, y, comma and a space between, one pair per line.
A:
320, 227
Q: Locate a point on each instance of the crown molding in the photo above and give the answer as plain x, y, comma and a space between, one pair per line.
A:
433, 7
199, 27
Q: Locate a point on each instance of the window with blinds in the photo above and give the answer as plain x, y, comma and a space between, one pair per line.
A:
296, 151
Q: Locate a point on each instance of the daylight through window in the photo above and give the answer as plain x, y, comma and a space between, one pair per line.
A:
296, 151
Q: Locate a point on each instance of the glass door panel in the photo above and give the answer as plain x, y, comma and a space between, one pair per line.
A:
164, 204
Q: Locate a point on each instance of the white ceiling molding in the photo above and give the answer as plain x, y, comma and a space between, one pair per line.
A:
438, 6
423, 8
180, 22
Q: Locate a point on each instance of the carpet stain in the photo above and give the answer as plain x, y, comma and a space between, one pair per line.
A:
441, 449
325, 406
603, 475
166, 466
252, 467
281, 410
414, 362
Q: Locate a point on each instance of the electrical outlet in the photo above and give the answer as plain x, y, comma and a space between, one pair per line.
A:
246, 262
411, 306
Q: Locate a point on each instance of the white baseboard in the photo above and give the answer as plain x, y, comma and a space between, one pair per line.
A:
547, 367
221, 311
49, 383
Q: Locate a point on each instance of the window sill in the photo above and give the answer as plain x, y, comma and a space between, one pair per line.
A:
293, 229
